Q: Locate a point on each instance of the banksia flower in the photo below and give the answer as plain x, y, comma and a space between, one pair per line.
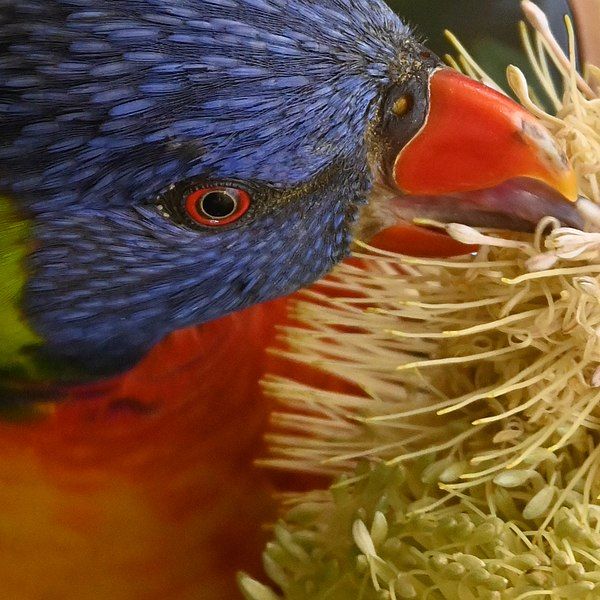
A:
466, 451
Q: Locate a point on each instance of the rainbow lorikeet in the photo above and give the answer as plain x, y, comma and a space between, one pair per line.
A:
164, 163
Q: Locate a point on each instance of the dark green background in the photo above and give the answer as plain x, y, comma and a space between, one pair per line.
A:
489, 28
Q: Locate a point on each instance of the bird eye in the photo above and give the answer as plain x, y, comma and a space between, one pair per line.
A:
217, 206
402, 105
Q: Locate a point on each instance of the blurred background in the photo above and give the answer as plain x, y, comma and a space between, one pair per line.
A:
488, 28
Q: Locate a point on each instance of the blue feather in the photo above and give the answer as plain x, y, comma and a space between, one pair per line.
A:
105, 103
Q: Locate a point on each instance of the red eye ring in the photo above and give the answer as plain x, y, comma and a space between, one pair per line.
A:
217, 206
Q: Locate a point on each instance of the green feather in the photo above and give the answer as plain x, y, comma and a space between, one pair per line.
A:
22, 357
17, 339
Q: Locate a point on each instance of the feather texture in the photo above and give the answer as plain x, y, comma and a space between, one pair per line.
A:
107, 103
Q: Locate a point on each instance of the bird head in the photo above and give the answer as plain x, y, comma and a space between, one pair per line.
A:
171, 162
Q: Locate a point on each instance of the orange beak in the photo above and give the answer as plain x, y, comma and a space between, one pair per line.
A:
481, 159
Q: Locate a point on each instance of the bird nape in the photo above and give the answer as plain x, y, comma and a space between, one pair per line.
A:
166, 162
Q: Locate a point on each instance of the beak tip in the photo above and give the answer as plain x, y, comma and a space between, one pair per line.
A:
572, 187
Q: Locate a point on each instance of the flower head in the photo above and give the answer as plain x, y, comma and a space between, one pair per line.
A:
467, 459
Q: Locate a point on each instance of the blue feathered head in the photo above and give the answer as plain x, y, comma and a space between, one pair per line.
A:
177, 160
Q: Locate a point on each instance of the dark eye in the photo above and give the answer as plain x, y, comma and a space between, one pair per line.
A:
402, 105
217, 206
403, 112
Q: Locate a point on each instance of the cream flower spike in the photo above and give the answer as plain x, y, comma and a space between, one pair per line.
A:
467, 464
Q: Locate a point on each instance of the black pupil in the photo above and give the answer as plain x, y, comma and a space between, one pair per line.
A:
218, 205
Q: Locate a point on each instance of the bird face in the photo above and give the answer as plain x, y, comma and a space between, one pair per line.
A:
173, 162
453, 150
